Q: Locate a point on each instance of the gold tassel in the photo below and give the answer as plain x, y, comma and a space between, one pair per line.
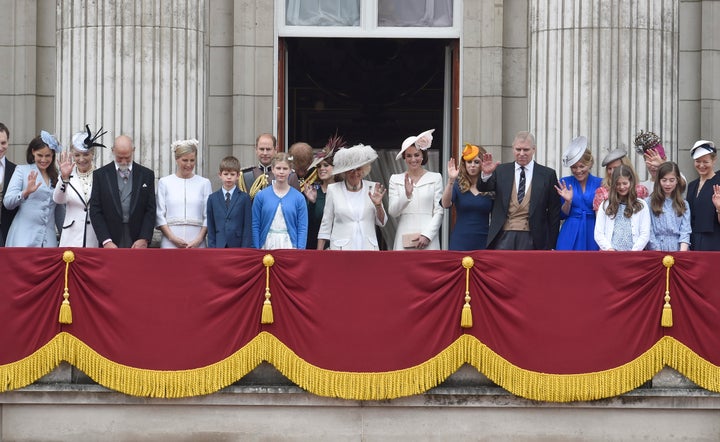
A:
667, 319
267, 312
466, 320
65, 316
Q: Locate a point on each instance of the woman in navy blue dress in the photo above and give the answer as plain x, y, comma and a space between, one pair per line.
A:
472, 207
577, 192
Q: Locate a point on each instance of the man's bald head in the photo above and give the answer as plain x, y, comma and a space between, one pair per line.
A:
123, 150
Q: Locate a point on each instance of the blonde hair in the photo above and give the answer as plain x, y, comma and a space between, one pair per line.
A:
184, 147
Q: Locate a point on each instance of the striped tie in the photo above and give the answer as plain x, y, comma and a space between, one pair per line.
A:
521, 185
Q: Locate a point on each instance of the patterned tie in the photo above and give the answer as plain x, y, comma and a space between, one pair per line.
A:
124, 174
521, 185
227, 200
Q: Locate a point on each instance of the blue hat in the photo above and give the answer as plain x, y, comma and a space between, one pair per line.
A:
51, 141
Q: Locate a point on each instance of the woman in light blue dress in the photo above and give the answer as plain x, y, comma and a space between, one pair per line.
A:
31, 191
670, 213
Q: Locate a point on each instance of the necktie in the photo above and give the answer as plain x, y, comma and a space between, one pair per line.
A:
227, 199
521, 185
124, 173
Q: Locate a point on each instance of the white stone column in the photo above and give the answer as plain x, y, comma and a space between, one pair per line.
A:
603, 69
137, 68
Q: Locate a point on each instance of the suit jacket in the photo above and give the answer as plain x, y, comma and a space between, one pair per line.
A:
229, 226
106, 211
544, 211
6, 214
339, 221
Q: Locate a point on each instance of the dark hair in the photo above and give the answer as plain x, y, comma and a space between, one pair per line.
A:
230, 164
424, 155
5, 129
633, 204
36, 144
657, 199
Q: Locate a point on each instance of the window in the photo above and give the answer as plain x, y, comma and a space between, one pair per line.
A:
369, 18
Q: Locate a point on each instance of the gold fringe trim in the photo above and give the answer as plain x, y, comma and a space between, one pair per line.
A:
566, 387
365, 385
29, 369
466, 319
361, 385
680, 357
162, 383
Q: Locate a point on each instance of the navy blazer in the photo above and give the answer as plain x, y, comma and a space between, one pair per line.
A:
229, 226
7, 215
106, 211
544, 211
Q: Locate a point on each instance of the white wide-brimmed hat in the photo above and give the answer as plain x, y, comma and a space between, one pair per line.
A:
702, 148
349, 158
574, 151
422, 142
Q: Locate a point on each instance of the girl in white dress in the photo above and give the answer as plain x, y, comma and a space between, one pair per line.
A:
182, 201
415, 197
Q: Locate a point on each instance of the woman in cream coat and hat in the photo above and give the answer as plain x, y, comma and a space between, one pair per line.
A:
76, 173
415, 197
353, 207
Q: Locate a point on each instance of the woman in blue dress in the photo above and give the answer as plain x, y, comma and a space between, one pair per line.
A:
472, 207
577, 192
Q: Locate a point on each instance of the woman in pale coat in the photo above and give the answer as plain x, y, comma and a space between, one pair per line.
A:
31, 190
415, 197
76, 174
353, 207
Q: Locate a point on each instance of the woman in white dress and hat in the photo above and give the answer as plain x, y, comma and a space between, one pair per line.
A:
415, 197
353, 207
76, 174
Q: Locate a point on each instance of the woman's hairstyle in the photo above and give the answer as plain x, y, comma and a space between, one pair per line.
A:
281, 157
184, 147
657, 198
36, 144
424, 155
633, 204
588, 159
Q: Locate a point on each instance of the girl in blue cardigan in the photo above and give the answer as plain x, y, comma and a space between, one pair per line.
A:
279, 212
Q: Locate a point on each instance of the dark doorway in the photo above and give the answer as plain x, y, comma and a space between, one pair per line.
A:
371, 91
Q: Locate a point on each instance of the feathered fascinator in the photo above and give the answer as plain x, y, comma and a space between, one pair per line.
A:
648, 140
327, 153
349, 158
84, 141
50, 141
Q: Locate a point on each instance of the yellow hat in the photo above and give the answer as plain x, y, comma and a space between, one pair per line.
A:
470, 152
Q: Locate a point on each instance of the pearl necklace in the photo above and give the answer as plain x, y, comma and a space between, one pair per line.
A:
86, 183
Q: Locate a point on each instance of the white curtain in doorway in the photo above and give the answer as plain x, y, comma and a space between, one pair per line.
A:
430, 13
322, 13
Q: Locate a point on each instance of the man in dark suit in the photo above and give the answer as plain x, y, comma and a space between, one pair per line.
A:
122, 203
526, 213
7, 168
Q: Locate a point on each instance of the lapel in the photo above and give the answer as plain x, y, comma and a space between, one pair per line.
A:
9, 170
111, 177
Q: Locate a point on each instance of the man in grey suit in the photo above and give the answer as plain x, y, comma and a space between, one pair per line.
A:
526, 212
122, 202
7, 168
